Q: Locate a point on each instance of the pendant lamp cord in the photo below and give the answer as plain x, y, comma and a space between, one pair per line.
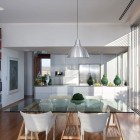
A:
77, 19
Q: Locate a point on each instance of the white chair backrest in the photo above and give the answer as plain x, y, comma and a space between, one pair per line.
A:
37, 122
93, 122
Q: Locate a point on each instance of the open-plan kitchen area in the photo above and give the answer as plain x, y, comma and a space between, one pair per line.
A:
70, 70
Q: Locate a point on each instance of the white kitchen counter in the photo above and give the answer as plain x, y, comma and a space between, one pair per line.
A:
119, 92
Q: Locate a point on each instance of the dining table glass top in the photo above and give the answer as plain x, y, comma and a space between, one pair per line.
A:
64, 105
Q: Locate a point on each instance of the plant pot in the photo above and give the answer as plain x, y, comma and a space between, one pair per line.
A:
104, 80
117, 80
90, 81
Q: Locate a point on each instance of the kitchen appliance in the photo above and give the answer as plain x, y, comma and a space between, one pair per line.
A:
86, 70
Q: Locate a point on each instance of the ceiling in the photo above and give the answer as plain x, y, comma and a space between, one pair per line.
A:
65, 50
63, 11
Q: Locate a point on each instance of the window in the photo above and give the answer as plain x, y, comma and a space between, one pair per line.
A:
45, 66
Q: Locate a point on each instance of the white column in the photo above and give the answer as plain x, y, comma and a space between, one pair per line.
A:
28, 88
134, 68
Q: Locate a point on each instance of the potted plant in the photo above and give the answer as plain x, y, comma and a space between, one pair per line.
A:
77, 98
37, 82
117, 80
104, 80
44, 79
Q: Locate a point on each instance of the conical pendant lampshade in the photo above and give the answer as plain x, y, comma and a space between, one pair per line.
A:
78, 50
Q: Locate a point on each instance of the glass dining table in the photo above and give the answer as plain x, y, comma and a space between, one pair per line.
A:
65, 105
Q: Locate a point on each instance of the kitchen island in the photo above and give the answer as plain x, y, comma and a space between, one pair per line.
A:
105, 92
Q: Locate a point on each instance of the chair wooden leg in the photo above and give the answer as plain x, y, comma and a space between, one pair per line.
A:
104, 137
36, 136
54, 132
25, 137
46, 136
83, 136
21, 130
31, 135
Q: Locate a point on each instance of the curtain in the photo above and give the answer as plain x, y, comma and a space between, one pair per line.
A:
134, 67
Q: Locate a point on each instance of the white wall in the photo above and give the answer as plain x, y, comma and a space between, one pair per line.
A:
28, 73
6, 97
63, 34
109, 66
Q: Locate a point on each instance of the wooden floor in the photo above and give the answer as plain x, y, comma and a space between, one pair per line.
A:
10, 123
130, 125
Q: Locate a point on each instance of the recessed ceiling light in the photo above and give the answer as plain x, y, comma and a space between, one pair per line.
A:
1, 8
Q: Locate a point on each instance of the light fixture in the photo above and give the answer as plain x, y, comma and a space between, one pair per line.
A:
78, 50
1, 8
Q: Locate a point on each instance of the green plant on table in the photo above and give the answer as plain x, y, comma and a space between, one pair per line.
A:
77, 96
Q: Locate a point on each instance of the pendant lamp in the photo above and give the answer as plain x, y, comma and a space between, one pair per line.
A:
77, 50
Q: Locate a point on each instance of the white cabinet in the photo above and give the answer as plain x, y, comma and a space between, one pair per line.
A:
115, 93
85, 90
104, 92
121, 93
71, 77
98, 91
60, 90
108, 92
59, 60
42, 92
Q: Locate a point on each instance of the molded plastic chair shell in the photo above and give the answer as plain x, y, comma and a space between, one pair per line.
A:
38, 122
93, 122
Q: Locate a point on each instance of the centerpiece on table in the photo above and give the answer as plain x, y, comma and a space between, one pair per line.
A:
77, 98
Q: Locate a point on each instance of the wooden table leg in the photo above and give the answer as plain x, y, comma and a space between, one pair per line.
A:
114, 130
118, 125
71, 123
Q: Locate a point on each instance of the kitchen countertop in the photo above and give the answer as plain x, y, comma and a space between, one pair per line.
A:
78, 86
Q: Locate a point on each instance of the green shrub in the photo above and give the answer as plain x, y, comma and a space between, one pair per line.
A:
77, 96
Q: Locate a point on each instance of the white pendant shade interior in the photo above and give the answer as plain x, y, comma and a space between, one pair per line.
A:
78, 50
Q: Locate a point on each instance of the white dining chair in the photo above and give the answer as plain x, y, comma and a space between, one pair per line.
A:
36, 123
92, 122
